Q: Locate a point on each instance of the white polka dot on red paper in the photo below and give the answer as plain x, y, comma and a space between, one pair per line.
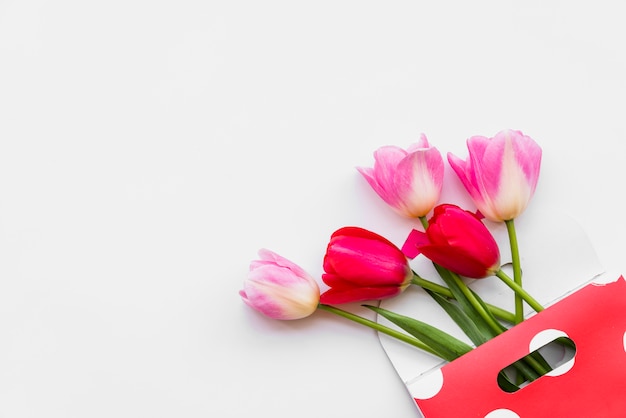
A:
544, 337
502, 413
428, 386
547, 336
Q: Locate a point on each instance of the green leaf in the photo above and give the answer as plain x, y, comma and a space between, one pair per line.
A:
505, 383
461, 319
446, 346
520, 365
482, 325
484, 305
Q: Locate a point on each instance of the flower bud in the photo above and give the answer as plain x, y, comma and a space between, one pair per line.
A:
280, 289
361, 265
500, 174
456, 239
409, 181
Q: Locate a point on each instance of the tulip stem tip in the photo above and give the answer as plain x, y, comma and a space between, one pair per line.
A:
517, 269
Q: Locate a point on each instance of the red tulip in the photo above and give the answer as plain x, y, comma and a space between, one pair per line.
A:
361, 265
457, 240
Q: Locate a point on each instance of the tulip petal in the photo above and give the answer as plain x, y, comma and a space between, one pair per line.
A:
357, 294
381, 177
500, 173
455, 229
280, 299
360, 259
414, 241
486, 157
422, 143
465, 264
270, 257
457, 240
368, 174
258, 300
408, 181
279, 288
355, 231
461, 169
385, 161
528, 154
365, 262
419, 179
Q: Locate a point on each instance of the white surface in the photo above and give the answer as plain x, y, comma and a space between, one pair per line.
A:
148, 149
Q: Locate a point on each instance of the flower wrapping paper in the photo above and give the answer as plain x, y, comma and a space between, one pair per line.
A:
590, 384
560, 263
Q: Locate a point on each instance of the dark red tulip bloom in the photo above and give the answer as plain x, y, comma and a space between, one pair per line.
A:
457, 240
361, 265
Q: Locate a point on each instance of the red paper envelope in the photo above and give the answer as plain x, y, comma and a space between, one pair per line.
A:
590, 316
592, 384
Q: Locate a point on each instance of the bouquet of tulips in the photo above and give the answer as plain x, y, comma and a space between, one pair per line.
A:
500, 175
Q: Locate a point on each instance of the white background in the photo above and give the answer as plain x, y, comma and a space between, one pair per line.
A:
148, 149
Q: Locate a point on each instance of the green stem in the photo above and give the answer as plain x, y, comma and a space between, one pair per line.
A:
517, 269
495, 326
427, 284
444, 291
469, 295
518, 311
378, 327
500, 313
520, 291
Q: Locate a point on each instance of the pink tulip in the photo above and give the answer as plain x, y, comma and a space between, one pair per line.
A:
456, 239
409, 181
280, 289
361, 265
500, 174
